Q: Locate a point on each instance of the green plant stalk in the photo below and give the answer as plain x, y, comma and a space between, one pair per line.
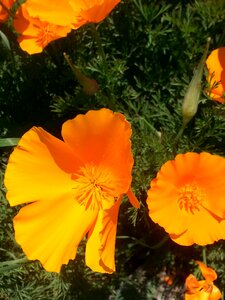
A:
12, 264
8, 142
101, 51
204, 255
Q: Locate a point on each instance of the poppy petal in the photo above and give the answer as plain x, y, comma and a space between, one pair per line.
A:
102, 137
208, 273
35, 34
216, 78
91, 11
58, 12
39, 169
162, 204
208, 233
133, 199
100, 249
51, 231
212, 182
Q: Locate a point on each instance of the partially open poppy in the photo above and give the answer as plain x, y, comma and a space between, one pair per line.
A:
72, 188
191, 189
216, 77
5, 6
202, 289
91, 11
40, 22
35, 34
73, 13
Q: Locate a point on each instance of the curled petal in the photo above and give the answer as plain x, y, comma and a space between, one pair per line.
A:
100, 249
133, 199
208, 273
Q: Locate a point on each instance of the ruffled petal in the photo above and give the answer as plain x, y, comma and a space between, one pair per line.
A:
58, 12
183, 168
102, 138
209, 177
91, 11
208, 273
39, 169
51, 231
211, 232
162, 203
100, 249
192, 285
35, 34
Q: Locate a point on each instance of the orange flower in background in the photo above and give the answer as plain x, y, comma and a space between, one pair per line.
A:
73, 13
35, 34
202, 289
187, 198
39, 22
91, 11
72, 188
5, 6
216, 77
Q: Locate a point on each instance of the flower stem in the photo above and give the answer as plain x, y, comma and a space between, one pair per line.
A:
12, 264
204, 255
100, 47
177, 138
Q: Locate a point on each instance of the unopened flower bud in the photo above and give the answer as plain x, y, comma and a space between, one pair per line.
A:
90, 86
191, 98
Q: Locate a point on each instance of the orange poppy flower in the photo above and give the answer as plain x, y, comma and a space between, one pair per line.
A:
5, 6
35, 34
216, 77
202, 289
72, 188
91, 11
191, 189
73, 13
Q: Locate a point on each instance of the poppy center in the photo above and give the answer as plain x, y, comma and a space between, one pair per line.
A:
45, 35
190, 197
94, 185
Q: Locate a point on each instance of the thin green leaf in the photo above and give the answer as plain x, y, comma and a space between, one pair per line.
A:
7, 142
5, 40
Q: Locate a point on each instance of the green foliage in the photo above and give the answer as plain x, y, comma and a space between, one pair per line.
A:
143, 57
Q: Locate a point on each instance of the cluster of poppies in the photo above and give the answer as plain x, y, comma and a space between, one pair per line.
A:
39, 22
72, 188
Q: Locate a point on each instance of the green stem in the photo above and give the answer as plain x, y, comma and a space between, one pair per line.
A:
139, 242
152, 128
204, 255
100, 47
12, 264
177, 138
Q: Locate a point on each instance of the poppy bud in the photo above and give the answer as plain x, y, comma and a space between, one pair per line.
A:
90, 86
191, 98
